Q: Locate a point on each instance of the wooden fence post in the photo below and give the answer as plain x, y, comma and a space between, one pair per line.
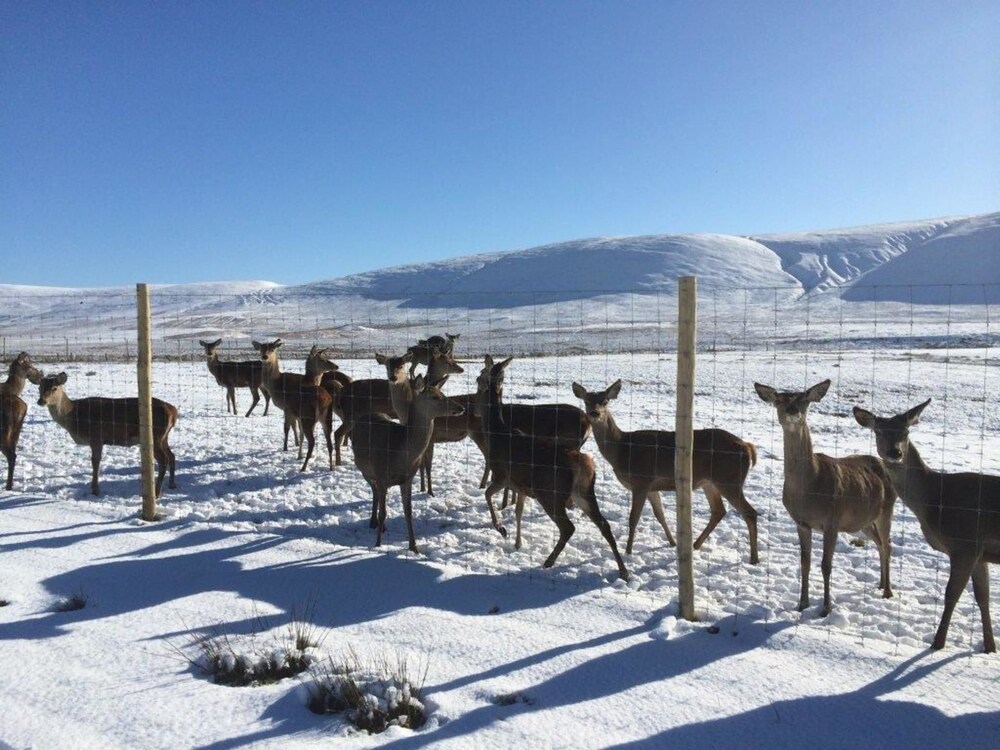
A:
145, 374
686, 330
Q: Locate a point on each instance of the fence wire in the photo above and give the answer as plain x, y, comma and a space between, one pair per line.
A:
886, 349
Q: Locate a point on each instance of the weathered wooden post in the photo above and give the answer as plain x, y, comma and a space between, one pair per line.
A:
145, 374
686, 330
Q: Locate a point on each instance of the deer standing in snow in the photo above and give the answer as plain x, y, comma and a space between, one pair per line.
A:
830, 495
959, 513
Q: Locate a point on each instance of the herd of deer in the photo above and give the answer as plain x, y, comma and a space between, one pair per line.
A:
535, 451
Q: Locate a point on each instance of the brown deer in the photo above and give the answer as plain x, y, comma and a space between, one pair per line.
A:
233, 375
423, 352
643, 461
97, 422
555, 475
852, 494
959, 513
304, 402
13, 408
388, 453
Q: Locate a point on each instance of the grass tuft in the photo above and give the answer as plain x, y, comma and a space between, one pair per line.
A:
374, 696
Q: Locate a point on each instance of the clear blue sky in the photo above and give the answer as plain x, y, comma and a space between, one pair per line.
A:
293, 141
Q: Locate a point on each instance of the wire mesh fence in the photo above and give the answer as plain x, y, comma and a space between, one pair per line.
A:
885, 349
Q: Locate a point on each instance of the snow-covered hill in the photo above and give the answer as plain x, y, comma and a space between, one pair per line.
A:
553, 298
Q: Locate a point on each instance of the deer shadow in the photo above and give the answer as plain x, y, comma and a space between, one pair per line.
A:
862, 718
368, 586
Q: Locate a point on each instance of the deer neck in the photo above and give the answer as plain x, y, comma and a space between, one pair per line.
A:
608, 436
14, 384
401, 396
800, 461
419, 429
909, 477
62, 409
271, 368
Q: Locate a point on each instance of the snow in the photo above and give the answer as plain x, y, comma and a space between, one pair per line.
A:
516, 655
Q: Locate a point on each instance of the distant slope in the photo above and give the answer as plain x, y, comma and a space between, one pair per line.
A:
922, 256
580, 269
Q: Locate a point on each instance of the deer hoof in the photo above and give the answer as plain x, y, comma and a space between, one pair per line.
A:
503, 531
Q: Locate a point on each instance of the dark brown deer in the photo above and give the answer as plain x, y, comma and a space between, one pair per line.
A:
423, 352
553, 474
830, 495
643, 461
303, 401
959, 513
388, 453
13, 408
233, 375
97, 421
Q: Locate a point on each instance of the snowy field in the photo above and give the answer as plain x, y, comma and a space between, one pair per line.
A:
515, 655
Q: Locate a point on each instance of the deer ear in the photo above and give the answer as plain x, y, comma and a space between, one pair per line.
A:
313, 352
61, 378
257, 345
278, 343
380, 358
488, 362
216, 342
864, 417
913, 415
579, 391
408, 357
819, 390
419, 384
503, 365
766, 392
614, 389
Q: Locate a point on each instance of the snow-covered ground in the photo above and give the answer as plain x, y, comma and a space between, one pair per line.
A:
516, 655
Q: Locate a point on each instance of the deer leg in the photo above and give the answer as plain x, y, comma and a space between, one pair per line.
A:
254, 391
981, 588
11, 454
286, 426
406, 489
962, 566
656, 503
494, 486
338, 440
590, 508
328, 435
310, 438
882, 544
717, 511
506, 498
826, 565
486, 477
161, 467
566, 529
425, 468
95, 462
638, 498
805, 561
738, 500
231, 399
172, 460
379, 499
267, 402
518, 512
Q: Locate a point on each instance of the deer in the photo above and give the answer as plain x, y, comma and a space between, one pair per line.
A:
830, 495
557, 476
959, 513
423, 352
98, 421
233, 375
13, 408
303, 401
389, 453
643, 462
